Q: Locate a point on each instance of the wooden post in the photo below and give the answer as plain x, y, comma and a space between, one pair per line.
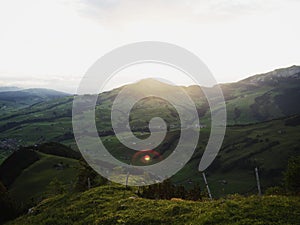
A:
126, 183
127, 177
89, 183
257, 181
207, 187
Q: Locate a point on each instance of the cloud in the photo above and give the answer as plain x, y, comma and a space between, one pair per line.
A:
122, 12
105, 4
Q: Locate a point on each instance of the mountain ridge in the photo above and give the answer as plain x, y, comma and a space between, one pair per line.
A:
292, 72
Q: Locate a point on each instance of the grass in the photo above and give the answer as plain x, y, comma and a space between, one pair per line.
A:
244, 148
235, 163
113, 205
236, 160
32, 184
239, 176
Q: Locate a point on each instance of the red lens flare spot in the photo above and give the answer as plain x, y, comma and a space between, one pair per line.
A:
147, 158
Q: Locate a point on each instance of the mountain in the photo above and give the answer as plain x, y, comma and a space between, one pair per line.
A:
292, 73
263, 97
263, 122
46, 115
14, 99
258, 98
4, 89
262, 132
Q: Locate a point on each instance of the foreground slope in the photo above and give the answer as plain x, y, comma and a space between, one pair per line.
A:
113, 205
28, 172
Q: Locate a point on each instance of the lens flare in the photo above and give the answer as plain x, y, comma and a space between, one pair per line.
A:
145, 157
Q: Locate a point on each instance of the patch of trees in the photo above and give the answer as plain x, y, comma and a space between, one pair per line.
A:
57, 149
167, 190
245, 162
236, 114
27, 112
11, 125
291, 181
87, 177
287, 101
203, 109
292, 176
260, 109
294, 121
249, 142
66, 136
169, 141
104, 133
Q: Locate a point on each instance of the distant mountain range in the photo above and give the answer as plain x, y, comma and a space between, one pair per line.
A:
256, 99
12, 98
4, 89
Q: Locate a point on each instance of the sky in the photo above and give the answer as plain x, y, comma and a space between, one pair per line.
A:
52, 43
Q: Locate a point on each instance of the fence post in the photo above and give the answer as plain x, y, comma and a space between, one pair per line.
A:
207, 187
89, 183
257, 181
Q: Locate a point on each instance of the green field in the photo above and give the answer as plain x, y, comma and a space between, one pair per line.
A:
244, 148
113, 205
32, 184
267, 146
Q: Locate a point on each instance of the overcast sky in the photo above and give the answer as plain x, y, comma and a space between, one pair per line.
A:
52, 43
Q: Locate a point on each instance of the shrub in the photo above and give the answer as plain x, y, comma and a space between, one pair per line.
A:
275, 191
292, 174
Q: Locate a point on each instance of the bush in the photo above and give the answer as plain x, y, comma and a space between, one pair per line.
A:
292, 174
87, 173
275, 191
58, 149
56, 187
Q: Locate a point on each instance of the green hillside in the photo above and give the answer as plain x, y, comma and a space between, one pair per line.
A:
32, 184
115, 205
245, 146
262, 132
12, 99
28, 172
266, 145
249, 101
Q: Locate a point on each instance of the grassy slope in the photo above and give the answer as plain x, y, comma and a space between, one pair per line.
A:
34, 180
51, 120
10, 101
111, 205
265, 145
54, 120
235, 163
